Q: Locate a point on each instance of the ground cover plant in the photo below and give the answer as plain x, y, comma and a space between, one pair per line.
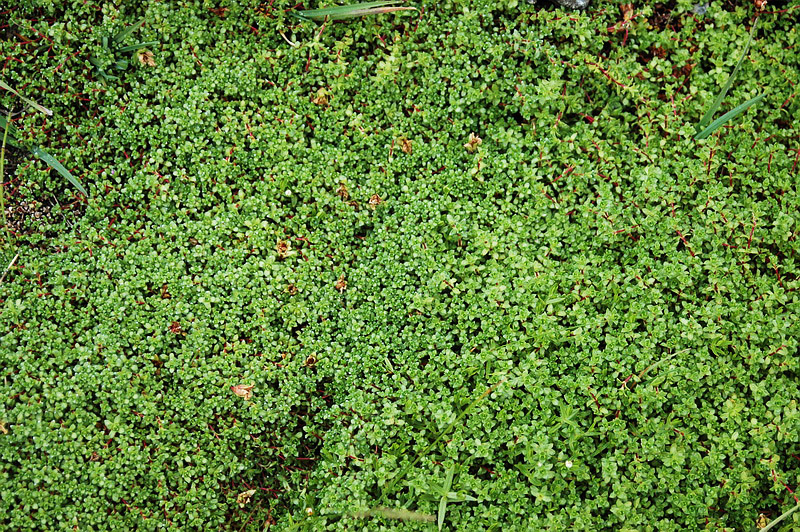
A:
462, 267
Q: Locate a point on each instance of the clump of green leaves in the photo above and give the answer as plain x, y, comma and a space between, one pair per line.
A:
114, 55
309, 270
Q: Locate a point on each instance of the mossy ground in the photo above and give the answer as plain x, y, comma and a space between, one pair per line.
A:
588, 320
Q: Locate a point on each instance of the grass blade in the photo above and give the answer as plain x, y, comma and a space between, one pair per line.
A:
716, 124
395, 513
58, 167
121, 36
721, 96
352, 11
30, 102
134, 47
6, 124
2, 188
780, 518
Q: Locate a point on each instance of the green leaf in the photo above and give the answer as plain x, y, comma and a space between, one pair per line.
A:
733, 113
58, 167
351, 11
721, 96
780, 518
2, 176
121, 36
134, 47
30, 102
12, 130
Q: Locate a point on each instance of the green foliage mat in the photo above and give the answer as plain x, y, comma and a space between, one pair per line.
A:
306, 220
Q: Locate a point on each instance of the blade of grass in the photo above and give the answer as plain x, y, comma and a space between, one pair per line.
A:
6, 123
733, 113
395, 513
351, 11
2, 186
721, 96
58, 167
10, 265
134, 47
448, 485
30, 102
121, 36
780, 518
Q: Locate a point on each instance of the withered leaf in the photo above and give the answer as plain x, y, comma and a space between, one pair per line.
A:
146, 58
244, 497
374, 201
473, 143
243, 390
321, 98
341, 284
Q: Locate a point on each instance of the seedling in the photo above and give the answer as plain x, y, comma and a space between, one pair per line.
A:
112, 50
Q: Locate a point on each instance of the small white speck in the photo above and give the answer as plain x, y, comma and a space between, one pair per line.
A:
568, 463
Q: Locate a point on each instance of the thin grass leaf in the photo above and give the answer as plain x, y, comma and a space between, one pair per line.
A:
30, 102
721, 96
134, 47
5, 123
780, 518
733, 113
448, 485
58, 167
351, 11
2, 189
121, 36
395, 513
326, 11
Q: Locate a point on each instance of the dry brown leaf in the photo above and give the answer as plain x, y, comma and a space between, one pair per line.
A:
627, 12
342, 191
284, 248
374, 201
3, 428
762, 521
473, 143
244, 497
146, 58
243, 390
341, 284
405, 145
321, 98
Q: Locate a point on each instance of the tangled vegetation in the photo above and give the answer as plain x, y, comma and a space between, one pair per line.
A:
462, 267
